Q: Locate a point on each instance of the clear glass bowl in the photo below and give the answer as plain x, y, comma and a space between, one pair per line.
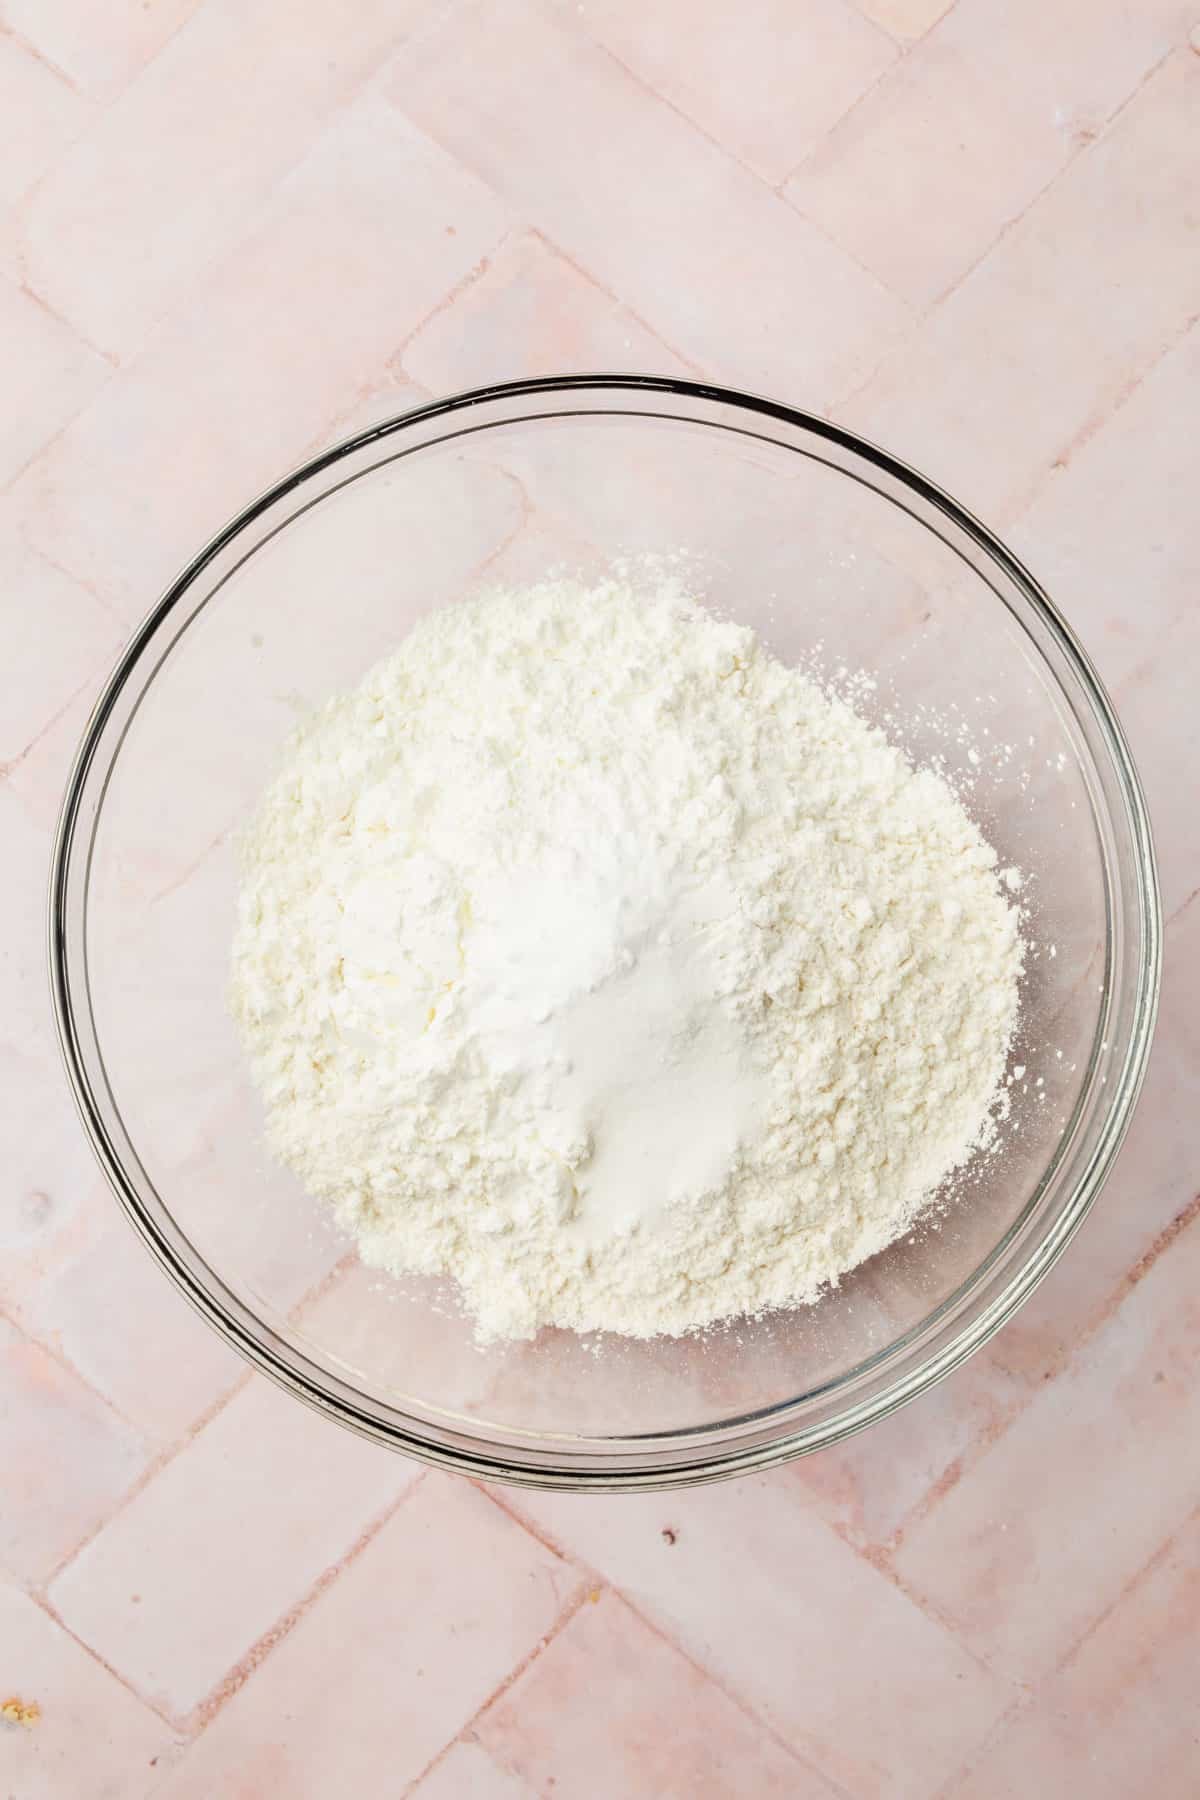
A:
813, 537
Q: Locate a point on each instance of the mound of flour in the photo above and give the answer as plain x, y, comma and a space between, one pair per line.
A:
591, 957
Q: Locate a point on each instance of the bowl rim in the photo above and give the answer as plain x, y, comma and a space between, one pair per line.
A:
721, 1462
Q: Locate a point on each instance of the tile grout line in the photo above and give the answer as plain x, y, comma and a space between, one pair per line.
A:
1134, 1581
1082, 147
602, 287
742, 1705
724, 150
206, 1710
654, 94
738, 1700
1180, 909
39, 56
1024, 500
166, 1455
1032, 1692
962, 1465
43, 305
10, 482
1096, 422
63, 1362
47, 1607
906, 42
1106, 1309
230, 250
904, 54
559, 1625
464, 284
89, 683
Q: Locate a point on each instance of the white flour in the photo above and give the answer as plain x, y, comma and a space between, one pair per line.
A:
589, 956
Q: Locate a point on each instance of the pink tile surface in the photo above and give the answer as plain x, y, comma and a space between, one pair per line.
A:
98, 50
164, 1368
765, 81
1016, 364
755, 294
1120, 1715
1115, 536
906, 20
1164, 731
1053, 1524
228, 1535
920, 177
369, 186
48, 375
664, 1731
392, 1662
42, 113
869, 1721
1152, 1186
89, 223
874, 1486
90, 1726
58, 639
68, 1458
231, 230
467, 1772
527, 310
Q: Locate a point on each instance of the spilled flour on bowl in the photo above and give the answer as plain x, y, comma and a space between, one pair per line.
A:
590, 956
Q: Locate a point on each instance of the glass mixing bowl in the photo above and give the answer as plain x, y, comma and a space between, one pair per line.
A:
819, 541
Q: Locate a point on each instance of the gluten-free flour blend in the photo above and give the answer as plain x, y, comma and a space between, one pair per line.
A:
588, 955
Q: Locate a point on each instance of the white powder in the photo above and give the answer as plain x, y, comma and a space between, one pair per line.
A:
589, 956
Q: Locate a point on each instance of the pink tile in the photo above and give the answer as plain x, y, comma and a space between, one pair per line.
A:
88, 1722
47, 376
380, 397
1074, 63
841, 1664
26, 1025
467, 1772
98, 51
41, 115
58, 640
1043, 1533
1154, 1179
54, 1201
530, 312
1120, 1717
51, 1195
336, 243
726, 272
871, 1485
230, 1535
925, 172
119, 1320
1041, 339
1112, 533
67, 1458
767, 81
37, 778
1156, 706
663, 1732
905, 19
389, 1663
117, 232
